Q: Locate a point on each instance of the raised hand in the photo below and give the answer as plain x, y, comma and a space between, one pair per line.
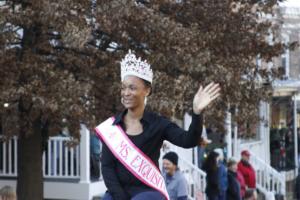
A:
205, 96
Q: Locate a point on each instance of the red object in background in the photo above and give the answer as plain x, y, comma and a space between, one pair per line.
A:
241, 180
282, 152
248, 173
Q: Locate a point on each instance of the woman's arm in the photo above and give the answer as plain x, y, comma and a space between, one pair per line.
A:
108, 163
182, 138
202, 99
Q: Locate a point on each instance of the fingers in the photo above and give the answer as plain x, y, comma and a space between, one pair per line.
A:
200, 89
209, 86
212, 88
215, 91
215, 96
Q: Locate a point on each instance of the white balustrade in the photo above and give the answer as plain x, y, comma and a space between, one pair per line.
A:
63, 167
8, 157
196, 179
59, 160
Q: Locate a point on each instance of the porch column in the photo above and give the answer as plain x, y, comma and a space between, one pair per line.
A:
264, 130
235, 141
267, 132
228, 134
84, 155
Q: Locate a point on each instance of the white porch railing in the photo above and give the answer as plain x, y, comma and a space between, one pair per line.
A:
59, 161
69, 165
8, 158
196, 179
267, 178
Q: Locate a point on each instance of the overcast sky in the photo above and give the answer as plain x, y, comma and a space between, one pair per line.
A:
291, 3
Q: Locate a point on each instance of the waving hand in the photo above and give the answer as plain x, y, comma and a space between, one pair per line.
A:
205, 96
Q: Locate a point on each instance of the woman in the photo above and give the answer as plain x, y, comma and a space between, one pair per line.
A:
210, 166
222, 174
234, 188
146, 130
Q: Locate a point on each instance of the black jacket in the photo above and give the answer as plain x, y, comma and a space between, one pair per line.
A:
212, 181
120, 182
234, 189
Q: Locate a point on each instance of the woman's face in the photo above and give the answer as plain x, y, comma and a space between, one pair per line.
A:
133, 92
233, 167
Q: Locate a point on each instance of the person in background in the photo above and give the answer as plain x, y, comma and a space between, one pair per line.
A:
210, 166
95, 150
234, 188
8, 193
201, 150
246, 169
242, 183
222, 174
176, 183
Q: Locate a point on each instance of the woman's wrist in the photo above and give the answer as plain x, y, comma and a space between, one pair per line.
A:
197, 112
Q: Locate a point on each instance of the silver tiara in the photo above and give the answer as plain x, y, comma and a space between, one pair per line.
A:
130, 65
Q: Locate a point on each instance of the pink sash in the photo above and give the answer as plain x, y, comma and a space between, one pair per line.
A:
131, 156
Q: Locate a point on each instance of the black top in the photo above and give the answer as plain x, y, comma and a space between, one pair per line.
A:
234, 188
120, 182
212, 182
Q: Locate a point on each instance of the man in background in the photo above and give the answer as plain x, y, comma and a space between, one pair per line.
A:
246, 169
176, 183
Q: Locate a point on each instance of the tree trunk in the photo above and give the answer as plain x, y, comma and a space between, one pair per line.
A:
30, 145
30, 172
